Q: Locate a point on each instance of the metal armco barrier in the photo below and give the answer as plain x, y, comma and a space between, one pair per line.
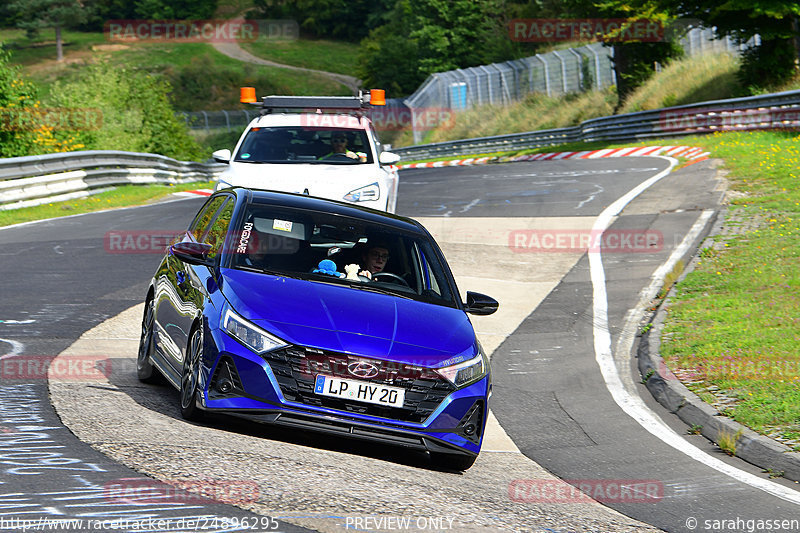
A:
779, 111
33, 180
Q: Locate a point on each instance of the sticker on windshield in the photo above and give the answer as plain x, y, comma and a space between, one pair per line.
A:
283, 225
245, 156
245, 238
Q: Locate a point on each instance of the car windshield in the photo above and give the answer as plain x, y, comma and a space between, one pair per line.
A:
330, 248
299, 144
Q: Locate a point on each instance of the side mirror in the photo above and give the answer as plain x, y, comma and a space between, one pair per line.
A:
480, 304
194, 253
388, 158
222, 156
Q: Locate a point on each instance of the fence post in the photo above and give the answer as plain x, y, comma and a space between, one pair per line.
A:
546, 74
579, 59
563, 72
598, 82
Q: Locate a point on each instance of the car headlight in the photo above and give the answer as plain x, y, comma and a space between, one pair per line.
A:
468, 372
364, 194
249, 334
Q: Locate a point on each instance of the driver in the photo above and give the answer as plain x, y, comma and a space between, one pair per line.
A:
373, 260
339, 146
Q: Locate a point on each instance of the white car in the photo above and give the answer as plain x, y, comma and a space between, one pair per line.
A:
289, 149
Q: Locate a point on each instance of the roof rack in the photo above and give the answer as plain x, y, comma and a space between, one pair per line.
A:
305, 102
343, 103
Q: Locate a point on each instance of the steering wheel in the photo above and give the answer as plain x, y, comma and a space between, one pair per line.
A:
338, 157
393, 277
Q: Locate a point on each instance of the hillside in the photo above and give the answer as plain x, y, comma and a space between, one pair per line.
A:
187, 66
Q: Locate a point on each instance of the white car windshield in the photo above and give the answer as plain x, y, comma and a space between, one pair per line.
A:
299, 144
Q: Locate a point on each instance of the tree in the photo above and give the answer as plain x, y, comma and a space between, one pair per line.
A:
35, 15
775, 21
427, 36
350, 20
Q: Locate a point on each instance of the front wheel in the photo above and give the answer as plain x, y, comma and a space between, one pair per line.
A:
191, 377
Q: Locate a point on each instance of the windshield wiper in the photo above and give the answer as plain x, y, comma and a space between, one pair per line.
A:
280, 273
364, 286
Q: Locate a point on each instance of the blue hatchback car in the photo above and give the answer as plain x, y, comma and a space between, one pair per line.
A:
319, 315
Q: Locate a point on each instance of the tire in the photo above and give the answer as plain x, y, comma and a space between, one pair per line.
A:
145, 370
449, 461
190, 377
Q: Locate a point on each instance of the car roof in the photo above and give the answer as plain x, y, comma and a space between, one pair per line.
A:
313, 203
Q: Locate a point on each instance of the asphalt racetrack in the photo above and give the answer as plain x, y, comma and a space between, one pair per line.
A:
567, 402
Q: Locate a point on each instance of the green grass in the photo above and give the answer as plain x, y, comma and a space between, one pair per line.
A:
699, 78
188, 65
735, 318
124, 196
28, 52
320, 54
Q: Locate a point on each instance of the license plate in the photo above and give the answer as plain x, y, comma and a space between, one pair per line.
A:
361, 391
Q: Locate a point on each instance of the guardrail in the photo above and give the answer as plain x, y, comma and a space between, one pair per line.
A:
779, 111
33, 180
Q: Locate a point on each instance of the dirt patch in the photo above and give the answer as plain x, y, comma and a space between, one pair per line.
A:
109, 47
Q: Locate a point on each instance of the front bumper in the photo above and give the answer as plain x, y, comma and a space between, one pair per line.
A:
243, 384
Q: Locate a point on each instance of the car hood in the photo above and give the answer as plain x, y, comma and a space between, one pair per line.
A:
353, 321
327, 181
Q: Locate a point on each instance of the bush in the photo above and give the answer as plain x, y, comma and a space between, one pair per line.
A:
136, 112
768, 65
23, 130
201, 92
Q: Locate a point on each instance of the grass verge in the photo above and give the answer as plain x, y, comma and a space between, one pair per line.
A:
732, 330
123, 196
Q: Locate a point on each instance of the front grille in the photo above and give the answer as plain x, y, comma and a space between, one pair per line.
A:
296, 369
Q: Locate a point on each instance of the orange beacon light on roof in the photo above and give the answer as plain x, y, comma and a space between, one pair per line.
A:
377, 97
247, 95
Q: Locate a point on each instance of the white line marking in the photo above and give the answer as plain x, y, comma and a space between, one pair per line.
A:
16, 348
470, 205
632, 404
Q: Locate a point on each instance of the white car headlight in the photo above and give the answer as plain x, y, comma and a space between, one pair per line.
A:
466, 373
249, 334
364, 194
